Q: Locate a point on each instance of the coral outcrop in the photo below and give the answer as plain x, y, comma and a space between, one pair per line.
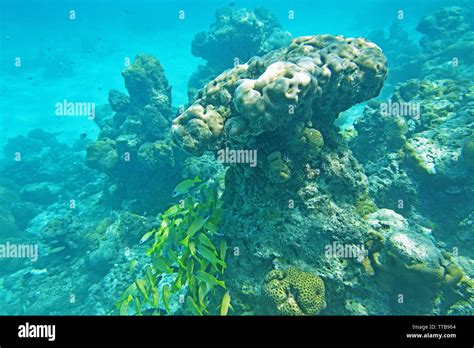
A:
285, 88
134, 140
235, 36
283, 105
408, 262
417, 153
448, 43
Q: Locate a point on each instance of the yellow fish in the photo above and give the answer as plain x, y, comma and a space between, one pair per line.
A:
225, 304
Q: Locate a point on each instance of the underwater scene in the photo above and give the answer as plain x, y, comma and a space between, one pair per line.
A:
265, 157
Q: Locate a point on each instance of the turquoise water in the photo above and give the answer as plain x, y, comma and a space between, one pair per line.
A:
79, 207
91, 49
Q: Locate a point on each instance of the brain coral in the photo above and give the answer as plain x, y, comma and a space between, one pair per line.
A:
294, 292
315, 76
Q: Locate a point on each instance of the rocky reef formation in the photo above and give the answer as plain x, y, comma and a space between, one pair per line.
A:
235, 36
448, 43
134, 141
407, 263
416, 151
403, 55
445, 49
303, 194
50, 199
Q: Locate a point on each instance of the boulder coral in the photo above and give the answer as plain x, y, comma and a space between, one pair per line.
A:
314, 76
294, 292
407, 260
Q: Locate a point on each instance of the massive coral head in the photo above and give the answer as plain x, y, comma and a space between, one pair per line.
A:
313, 79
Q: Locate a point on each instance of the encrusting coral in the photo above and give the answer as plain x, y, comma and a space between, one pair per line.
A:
295, 292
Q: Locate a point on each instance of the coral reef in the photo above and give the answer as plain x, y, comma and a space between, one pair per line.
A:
283, 105
375, 218
447, 43
419, 163
134, 140
294, 292
236, 36
403, 63
408, 262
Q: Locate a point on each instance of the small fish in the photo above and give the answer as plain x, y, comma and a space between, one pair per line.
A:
38, 271
453, 189
57, 250
83, 135
231, 4
7, 37
126, 11
184, 186
225, 303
